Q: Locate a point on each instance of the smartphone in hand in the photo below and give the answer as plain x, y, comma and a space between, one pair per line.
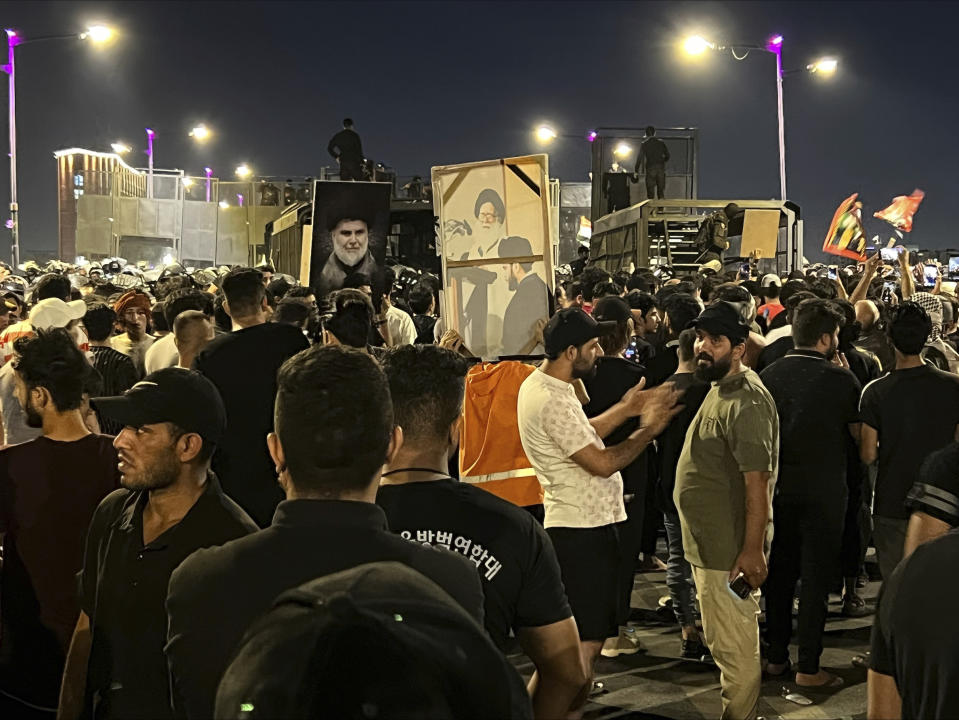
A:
739, 587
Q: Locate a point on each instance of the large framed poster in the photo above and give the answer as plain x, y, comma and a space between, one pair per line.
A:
494, 242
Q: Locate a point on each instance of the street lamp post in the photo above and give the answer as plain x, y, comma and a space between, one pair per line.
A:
97, 34
150, 136
697, 45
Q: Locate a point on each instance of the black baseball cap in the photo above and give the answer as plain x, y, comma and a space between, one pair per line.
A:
572, 326
612, 309
377, 640
722, 318
182, 397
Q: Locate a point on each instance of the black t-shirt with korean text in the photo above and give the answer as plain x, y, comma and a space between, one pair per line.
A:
514, 556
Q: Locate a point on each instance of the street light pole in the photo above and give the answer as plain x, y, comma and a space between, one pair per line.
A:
150, 135
775, 46
97, 34
10, 68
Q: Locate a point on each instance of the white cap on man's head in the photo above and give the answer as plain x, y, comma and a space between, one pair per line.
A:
55, 313
771, 280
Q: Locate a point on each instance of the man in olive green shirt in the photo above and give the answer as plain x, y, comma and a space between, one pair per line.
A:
724, 486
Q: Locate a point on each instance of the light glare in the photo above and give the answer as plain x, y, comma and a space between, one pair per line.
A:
544, 133
622, 150
826, 66
244, 171
200, 132
696, 45
120, 148
98, 33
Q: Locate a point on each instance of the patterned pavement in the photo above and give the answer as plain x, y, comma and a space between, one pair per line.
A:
655, 683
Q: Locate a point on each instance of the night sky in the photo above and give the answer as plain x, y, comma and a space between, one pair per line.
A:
440, 83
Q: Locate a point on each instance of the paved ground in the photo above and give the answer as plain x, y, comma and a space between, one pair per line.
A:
655, 684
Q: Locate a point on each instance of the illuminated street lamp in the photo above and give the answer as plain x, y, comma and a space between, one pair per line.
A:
98, 34
545, 134
200, 133
825, 66
622, 150
697, 45
243, 171
224, 204
120, 148
187, 182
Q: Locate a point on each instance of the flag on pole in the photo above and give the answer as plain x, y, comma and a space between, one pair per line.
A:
846, 235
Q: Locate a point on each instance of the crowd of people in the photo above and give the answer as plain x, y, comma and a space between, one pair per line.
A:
223, 496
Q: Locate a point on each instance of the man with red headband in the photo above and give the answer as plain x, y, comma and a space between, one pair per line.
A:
133, 317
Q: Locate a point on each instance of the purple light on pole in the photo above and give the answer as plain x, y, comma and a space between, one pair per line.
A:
209, 174
591, 136
239, 199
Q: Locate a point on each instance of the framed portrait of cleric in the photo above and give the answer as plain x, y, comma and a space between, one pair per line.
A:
494, 243
350, 225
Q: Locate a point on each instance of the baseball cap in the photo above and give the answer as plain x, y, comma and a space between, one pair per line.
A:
377, 640
722, 318
55, 313
612, 309
572, 326
714, 265
771, 280
182, 397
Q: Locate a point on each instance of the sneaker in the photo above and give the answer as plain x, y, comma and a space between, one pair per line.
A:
626, 643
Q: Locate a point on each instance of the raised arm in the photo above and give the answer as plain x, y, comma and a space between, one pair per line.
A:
869, 272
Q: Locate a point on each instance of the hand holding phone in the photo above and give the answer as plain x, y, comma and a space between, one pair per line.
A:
740, 587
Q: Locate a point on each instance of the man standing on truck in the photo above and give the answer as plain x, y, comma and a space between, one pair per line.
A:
345, 147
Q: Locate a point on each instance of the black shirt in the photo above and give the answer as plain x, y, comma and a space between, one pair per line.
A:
346, 146
424, 325
662, 364
864, 365
123, 586
669, 445
817, 401
243, 366
513, 554
936, 492
217, 593
613, 377
654, 152
915, 411
49, 491
773, 352
914, 637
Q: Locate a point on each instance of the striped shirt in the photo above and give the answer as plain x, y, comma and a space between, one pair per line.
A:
119, 374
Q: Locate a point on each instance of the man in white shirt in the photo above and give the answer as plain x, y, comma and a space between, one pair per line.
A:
579, 474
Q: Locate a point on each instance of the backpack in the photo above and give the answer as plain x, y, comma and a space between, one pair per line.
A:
712, 232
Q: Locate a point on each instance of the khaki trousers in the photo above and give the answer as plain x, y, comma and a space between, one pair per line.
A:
731, 627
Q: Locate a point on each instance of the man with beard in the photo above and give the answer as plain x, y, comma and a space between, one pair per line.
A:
530, 297
724, 486
818, 406
133, 315
579, 474
351, 254
49, 490
170, 506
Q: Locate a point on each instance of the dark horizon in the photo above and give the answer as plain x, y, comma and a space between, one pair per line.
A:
440, 83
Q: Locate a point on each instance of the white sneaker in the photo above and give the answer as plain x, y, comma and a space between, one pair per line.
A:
626, 643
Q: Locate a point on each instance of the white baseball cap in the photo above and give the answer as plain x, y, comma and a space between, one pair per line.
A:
771, 280
55, 313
